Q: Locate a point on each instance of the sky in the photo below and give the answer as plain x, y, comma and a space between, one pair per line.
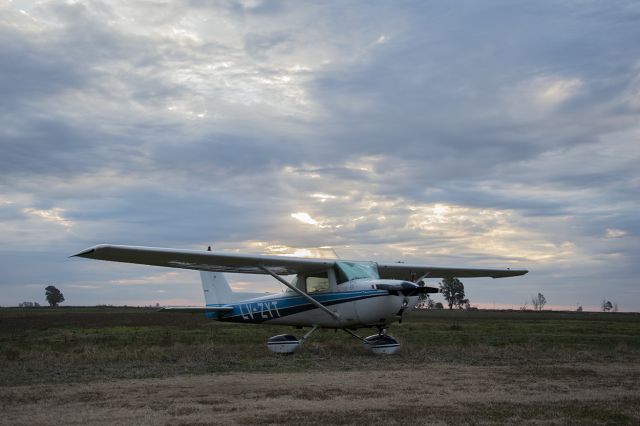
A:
489, 134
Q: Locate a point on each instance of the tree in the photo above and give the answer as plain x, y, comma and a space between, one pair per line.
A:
538, 302
53, 295
606, 306
579, 309
425, 302
438, 305
453, 291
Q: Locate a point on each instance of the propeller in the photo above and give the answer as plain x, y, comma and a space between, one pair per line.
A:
407, 288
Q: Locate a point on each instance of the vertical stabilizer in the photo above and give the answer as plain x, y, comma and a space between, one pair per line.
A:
216, 288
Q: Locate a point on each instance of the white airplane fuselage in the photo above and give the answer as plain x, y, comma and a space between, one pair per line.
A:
358, 303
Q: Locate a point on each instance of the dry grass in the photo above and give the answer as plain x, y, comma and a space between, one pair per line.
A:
124, 366
438, 393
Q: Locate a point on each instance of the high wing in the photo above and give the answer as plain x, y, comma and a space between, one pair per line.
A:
281, 265
403, 271
205, 260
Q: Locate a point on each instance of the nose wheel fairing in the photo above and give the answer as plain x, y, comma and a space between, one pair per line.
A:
381, 344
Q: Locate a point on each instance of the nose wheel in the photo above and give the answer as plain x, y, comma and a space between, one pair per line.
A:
379, 344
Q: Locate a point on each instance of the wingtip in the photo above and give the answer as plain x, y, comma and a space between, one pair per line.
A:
511, 273
85, 252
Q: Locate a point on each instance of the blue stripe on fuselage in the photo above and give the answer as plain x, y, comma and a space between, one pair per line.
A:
265, 309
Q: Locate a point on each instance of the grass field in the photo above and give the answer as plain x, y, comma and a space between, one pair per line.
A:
131, 365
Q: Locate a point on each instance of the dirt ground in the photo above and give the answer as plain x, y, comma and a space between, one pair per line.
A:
430, 394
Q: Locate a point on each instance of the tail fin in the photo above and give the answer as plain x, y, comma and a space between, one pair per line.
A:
216, 288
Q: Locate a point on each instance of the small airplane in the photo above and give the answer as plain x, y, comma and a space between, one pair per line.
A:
325, 293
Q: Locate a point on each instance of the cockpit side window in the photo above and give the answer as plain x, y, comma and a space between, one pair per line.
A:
347, 271
341, 277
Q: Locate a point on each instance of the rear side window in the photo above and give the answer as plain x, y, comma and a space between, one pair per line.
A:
317, 284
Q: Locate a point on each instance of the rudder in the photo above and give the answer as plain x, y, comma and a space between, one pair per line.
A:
216, 288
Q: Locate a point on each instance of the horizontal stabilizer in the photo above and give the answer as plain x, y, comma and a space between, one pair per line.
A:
197, 309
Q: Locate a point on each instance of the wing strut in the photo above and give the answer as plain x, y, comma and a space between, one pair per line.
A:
300, 292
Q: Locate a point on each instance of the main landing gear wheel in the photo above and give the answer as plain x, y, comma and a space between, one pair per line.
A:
286, 344
283, 344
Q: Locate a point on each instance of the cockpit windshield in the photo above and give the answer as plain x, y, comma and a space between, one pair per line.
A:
348, 271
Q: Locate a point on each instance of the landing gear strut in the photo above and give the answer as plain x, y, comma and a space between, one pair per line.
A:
379, 344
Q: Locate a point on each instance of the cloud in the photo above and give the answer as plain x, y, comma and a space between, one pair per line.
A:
52, 215
480, 134
304, 218
615, 233
541, 96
